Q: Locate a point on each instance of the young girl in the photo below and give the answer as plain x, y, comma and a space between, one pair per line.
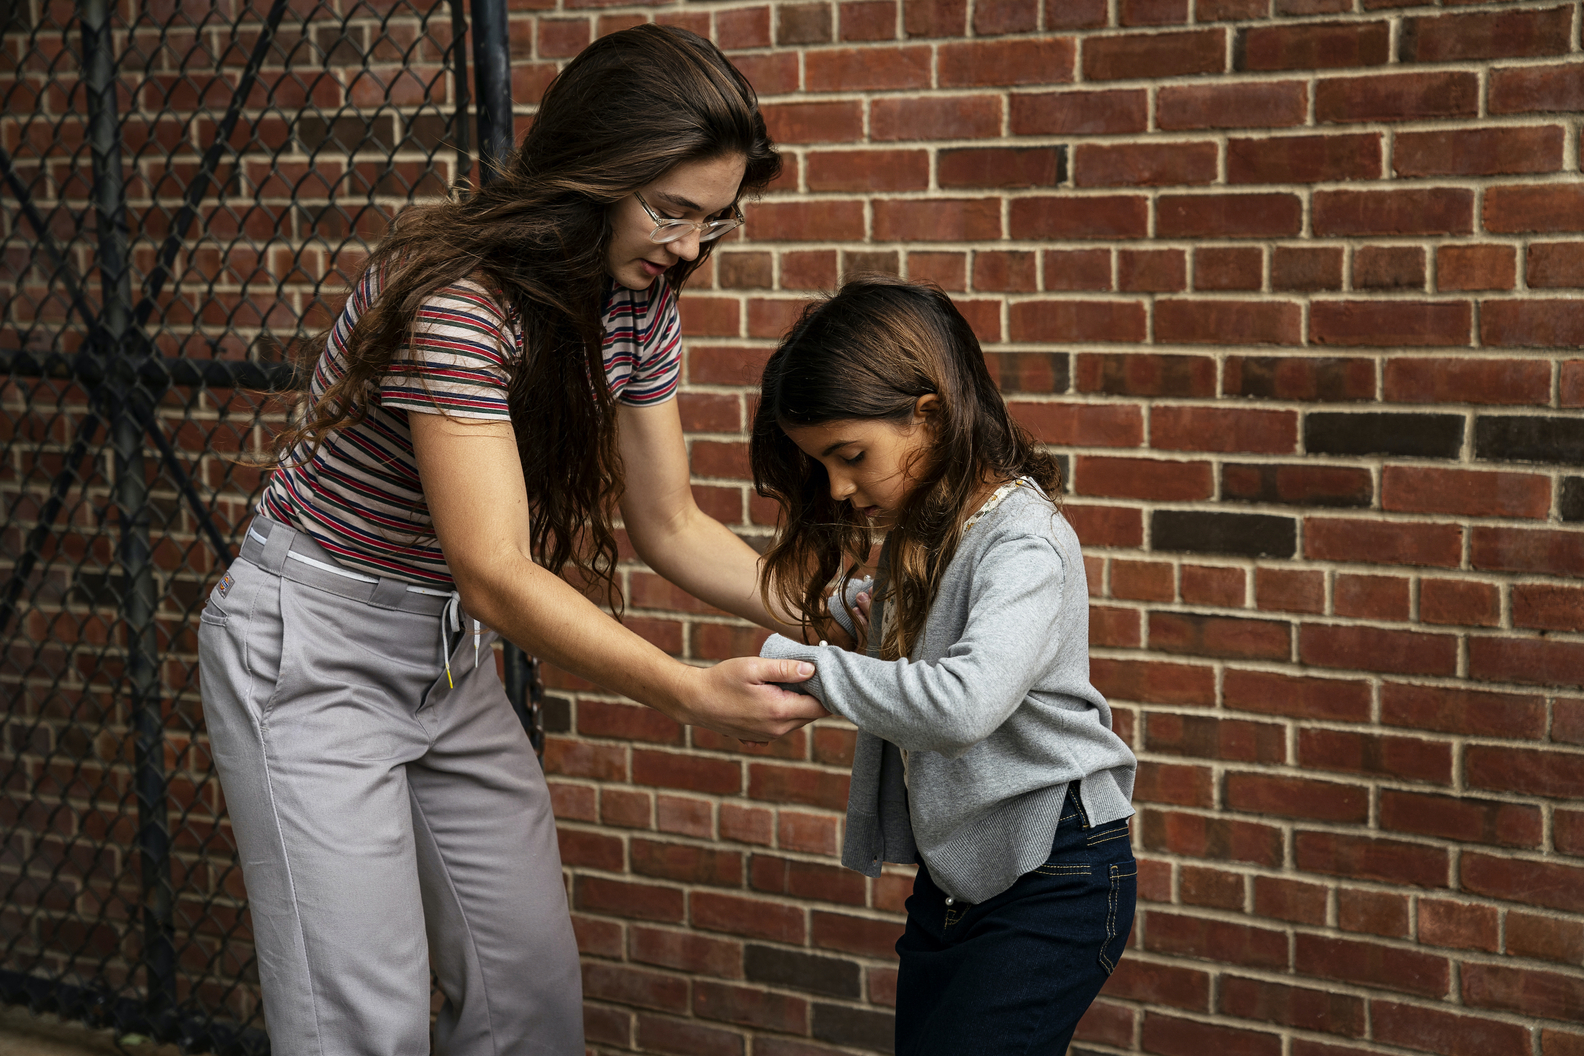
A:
983, 752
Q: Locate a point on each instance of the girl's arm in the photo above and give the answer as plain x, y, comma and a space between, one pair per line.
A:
948, 705
473, 483
671, 534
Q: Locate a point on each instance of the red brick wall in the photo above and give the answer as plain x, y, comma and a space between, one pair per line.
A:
1293, 289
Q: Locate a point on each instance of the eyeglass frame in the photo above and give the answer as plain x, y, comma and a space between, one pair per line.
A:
702, 227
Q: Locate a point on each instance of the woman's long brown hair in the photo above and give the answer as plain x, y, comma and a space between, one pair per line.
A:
628, 109
869, 353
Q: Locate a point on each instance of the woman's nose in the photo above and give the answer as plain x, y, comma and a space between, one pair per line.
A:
686, 247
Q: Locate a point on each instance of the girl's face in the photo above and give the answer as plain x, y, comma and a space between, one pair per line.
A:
872, 463
692, 190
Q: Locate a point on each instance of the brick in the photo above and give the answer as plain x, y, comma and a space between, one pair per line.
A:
752, 917
814, 122
1306, 268
1106, 1024
1392, 324
1488, 381
1374, 649
627, 721
1555, 265
1530, 439
1143, 580
1534, 208
935, 18
1077, 217
803, 23
769, 782
1543, 662
1433, 1030
743, 27
1300, 484
1213, 585
1547, 995
1476, 267
1001, 167
1154, 55
1161, 984
1287, 590
1534, 883
1314, 698
937, 220
1087, 424
1389, 268
1370, 597
1458, 925
1555, 553
1382, 913
1367, 858
1396, 97
1229, 10
1547, 607
1304, 159
1141, 478
1293, 797
1535, 772
1459, 603
1247, 535
837, 221
1218, 838
601, 762
1407, 758
1568, 726
1293, 900
843, 1025
1105, 525
1228, 322
1152, 12
1316, 46
1218, 940
1376, 433
861, 935
1487, 35
1065, 320
1079, 269
942, 117
1273, 215
1219, 429
871, 68
1214, 888
997, 17
1228, 268
1172, 1036
1115, 112
1478, 151
686, 863
1075, 14
1461, 818
867, 170
674, 770
749, 1006
1331, 379
1536, 89
1183, 786
1153, 682
1136, 374
883, 261
1270, 104
1037, 60
686, 1037
1220, 636
1424, 489
634, 986
685, 951
804, 879
1556, 1043
1004, 270
946, 270
1363, 962
619, 898
1145, 164
1543, 937
1427, 211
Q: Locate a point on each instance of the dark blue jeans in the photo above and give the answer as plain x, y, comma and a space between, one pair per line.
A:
1014, 975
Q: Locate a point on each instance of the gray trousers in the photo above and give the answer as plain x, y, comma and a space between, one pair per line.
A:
388, 822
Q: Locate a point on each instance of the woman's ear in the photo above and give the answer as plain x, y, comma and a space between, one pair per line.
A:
925, 408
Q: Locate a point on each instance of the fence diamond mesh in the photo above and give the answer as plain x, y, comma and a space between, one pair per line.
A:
185, 190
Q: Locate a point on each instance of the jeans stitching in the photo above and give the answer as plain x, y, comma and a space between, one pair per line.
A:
1063, 869
1102, 837
1111, 914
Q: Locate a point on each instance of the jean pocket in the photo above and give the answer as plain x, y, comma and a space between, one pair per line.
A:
1120, 903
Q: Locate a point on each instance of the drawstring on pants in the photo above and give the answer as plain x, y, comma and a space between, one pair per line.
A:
451, 620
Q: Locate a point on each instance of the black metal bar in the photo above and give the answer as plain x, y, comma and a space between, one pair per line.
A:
139, 597
46, 241
155, 372
492, 76
206, 169
459, 76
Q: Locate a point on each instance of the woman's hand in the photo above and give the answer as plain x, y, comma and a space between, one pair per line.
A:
740, 698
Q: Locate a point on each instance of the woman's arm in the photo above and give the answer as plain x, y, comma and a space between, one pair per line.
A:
672, 535
473, 482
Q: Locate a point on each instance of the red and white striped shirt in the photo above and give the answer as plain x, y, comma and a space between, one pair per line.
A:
360, 497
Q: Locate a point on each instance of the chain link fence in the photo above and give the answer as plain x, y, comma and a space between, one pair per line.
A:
185, 191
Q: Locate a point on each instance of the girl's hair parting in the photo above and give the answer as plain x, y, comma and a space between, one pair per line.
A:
626, 110
870, 352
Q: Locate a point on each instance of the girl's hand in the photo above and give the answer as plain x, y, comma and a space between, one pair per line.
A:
860, 610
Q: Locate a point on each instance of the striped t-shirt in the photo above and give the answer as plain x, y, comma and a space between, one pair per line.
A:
360, 497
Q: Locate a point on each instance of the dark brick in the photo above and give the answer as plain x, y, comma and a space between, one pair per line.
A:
1515, 439
832, 976
1297, 484
1247, 534
1329, 379
1132, 374
1572, 501
856, 1027
1411, 435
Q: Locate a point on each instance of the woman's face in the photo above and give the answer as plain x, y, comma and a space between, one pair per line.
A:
692, 190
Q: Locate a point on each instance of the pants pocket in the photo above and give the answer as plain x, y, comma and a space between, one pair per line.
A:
1120, 902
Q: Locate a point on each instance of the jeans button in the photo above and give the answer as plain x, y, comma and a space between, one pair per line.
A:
950, 901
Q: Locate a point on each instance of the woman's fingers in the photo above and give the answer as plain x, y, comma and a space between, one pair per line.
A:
741, 698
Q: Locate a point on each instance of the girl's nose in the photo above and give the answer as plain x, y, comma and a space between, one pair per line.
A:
840, 488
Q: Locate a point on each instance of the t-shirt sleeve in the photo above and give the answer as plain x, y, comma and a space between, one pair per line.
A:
457, 363
656, 333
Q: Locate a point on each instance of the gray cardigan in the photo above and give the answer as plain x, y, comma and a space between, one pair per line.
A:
994, 708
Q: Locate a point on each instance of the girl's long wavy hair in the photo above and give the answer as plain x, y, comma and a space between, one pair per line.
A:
626, 110
869, 353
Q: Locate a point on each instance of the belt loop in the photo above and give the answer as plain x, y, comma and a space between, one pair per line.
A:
276, 546
388, 593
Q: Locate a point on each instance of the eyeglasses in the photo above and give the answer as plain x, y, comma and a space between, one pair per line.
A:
669, 230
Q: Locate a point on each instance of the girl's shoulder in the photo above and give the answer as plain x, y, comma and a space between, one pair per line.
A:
1024, 513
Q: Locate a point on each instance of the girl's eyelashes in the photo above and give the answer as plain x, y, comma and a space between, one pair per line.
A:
854, 460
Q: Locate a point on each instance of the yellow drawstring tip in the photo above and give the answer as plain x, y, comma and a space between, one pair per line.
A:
450, 684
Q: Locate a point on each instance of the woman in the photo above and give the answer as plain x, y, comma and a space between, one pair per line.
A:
501, 374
